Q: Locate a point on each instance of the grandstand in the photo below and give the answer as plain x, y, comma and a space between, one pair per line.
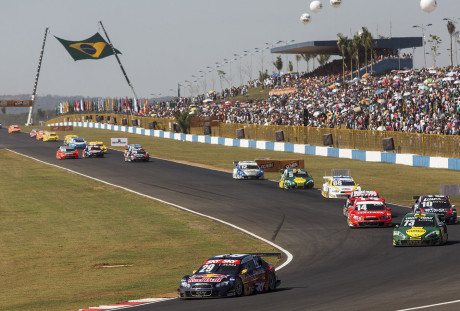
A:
386, 49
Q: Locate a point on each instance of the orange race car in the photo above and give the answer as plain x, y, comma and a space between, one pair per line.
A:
14, 129
40, 134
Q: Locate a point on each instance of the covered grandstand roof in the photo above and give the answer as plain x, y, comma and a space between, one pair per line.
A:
330, 46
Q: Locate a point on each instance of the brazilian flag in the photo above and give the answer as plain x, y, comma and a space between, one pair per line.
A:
92, 48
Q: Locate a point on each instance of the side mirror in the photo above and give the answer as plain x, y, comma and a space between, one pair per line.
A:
453, 206
396, 226
244, 271
194, 271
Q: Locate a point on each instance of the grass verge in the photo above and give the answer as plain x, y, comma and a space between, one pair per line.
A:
397, 183
58, 229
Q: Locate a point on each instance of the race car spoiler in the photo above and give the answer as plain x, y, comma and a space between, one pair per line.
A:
266, 254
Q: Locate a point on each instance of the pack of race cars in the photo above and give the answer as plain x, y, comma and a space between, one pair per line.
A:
93, 149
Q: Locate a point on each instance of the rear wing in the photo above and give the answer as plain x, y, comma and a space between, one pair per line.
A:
236, 162
266, 254
415, 197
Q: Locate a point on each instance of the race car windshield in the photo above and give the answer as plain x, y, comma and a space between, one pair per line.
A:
219, 268
343, 182
249, 167
300, 174
78, 140
418, 222
436, 204
370, 207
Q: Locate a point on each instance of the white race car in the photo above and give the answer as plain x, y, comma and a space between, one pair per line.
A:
338, 186
247, 170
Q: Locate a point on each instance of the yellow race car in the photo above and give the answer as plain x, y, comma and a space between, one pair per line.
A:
68, 138
100, 144
50, 136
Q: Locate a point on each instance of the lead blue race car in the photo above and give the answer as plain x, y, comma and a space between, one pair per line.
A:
230, 275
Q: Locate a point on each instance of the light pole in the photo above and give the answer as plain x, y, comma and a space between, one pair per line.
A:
250, 64
240, 57
423, 38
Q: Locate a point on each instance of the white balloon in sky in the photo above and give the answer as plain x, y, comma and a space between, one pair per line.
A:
336, 3
305, 18
316, 6
428, 5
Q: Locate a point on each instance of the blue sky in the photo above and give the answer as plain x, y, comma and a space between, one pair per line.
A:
166, 42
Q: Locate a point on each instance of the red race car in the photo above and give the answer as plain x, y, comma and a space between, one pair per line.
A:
65, 152
358, 194
369, 212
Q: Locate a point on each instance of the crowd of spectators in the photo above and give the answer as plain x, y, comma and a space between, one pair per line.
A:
416, 101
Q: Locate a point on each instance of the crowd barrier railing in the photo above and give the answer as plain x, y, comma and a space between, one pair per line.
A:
404, 143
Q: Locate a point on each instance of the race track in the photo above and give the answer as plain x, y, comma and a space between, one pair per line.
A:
334, 267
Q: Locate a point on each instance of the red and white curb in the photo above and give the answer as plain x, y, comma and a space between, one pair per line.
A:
128, 304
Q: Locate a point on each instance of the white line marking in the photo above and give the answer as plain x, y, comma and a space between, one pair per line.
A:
429, 306
288, 254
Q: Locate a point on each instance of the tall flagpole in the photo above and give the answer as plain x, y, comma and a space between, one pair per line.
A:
121, 66
34, 92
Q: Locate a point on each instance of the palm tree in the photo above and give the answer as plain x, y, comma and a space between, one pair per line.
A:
307, 58
278, 64
451, 30
350, 55
323, 58
297, 59
356, 43
367, 41
313, 57
342, 45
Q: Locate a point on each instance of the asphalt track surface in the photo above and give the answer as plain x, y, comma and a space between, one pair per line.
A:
334, 267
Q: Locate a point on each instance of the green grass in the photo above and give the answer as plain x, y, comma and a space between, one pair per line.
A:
57, 228
397, 183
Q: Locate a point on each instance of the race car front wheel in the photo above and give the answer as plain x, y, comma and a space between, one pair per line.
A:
239, 287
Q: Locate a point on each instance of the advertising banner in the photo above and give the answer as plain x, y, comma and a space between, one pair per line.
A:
119, 142
272, 165
61, 128
204, 121
15, 103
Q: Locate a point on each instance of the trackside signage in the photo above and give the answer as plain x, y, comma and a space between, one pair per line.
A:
119, 142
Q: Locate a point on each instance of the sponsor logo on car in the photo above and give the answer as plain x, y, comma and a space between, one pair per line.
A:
416, 232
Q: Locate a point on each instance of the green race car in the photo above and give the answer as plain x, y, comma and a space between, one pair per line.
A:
418, 229
296, 178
